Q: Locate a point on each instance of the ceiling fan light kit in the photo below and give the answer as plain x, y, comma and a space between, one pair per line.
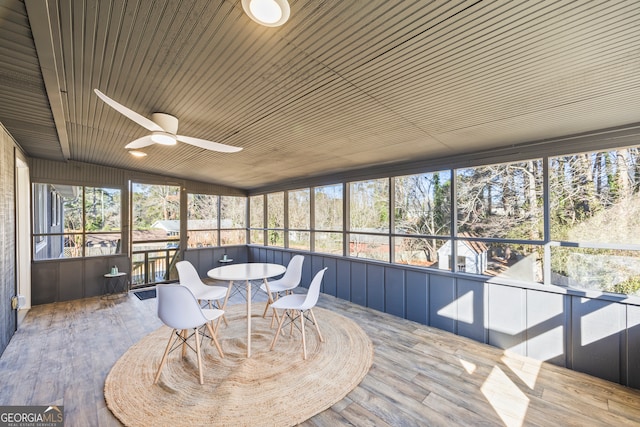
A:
270, 13
164, 138
136, 153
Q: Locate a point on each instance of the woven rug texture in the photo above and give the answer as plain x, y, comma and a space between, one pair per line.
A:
272, 388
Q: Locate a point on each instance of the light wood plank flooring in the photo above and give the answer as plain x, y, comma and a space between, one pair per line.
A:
420, 375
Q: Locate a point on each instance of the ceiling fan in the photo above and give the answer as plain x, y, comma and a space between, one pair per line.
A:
163, 129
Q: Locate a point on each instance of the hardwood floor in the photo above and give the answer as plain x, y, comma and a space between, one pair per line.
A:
421, 376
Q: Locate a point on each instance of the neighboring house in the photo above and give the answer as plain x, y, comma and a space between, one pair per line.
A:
471, 256
171, 226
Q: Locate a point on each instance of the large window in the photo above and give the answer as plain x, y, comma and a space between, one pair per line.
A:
299, 213
275, 219
75, 221
256, 219
422, 216
233, 220
369, 219
202, 220
490, 220
328, 235
595, 220
501, 201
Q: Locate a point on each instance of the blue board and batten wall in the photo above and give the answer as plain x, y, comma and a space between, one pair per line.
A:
595, 335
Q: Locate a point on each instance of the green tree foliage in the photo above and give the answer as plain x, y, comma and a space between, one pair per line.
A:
153, 203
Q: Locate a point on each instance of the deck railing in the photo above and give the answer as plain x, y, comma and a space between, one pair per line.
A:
151, 266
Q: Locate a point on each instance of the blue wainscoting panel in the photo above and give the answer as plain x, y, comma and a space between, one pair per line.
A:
375, 287
359, 283
343, 279
442, 302
278, 258
633, 347
44, 282
394, 291
597, 331
470, 309
71, 281
317, 264
329, 283
547, 319
94, 270
507, 318
417, 290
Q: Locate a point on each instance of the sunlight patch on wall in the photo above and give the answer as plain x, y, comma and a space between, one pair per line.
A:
459, 309
547, 345
599, 324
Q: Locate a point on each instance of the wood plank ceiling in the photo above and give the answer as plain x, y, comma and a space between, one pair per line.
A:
342, 85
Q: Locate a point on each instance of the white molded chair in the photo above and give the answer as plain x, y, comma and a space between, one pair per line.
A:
179, 309
299, 306
189, 277
289, 281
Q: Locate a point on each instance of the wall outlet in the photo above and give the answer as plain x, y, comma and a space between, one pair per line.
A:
18, 301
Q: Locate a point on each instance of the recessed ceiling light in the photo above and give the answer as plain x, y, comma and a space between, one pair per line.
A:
270, 13
137, 153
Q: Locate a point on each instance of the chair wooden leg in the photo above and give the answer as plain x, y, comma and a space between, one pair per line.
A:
185, 334
304, 341
224, 305
292, 314
266, 308
275, 338
214, 340
224, 318
315, 322
164, 356
274, 316
197, 337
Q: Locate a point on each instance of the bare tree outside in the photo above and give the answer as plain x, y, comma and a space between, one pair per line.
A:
422, 212
329, 219
299, 219
369, 213
595, 200
275, 219
256, 219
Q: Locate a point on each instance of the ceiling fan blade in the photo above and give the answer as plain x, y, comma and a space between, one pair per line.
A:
140, 142
208, 145
139, 119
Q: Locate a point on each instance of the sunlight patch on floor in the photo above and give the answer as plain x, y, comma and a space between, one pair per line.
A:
468, 366
509, 402
527, 372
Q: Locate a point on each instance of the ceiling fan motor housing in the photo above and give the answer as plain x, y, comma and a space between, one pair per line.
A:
166, 121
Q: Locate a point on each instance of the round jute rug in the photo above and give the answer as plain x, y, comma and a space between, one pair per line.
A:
272, 388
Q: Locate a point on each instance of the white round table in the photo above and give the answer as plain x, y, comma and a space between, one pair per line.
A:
247, 272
